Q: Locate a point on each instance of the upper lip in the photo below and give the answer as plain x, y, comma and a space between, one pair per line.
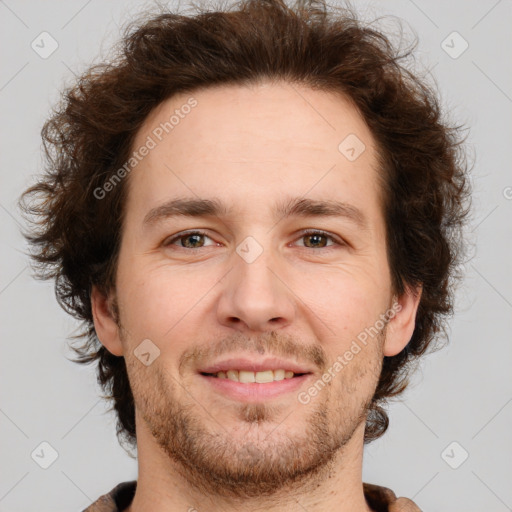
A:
251, 365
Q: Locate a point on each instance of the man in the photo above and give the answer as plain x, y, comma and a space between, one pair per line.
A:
254, 212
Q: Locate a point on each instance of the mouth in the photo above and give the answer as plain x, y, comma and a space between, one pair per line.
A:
249, 377
245, 380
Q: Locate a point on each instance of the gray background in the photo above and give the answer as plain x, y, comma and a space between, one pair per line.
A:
461, 394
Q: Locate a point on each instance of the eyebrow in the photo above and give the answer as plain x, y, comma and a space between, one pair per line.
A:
293, 207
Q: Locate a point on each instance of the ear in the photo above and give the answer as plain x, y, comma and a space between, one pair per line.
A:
400, 327
105, 322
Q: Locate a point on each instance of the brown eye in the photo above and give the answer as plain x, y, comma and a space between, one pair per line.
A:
190, 240
315, 240
318, 240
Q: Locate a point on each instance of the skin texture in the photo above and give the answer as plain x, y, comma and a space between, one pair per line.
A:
304, 299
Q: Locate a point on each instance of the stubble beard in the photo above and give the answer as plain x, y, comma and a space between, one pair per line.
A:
258, 458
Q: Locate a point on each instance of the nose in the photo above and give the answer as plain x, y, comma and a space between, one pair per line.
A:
255, 296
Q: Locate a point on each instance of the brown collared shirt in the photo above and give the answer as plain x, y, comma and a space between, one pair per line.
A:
380, 499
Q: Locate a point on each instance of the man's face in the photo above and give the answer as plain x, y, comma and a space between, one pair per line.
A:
252, 287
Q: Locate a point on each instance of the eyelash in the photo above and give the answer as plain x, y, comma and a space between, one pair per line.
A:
180, 236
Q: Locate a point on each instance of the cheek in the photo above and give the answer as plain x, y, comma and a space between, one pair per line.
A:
344, 299
157, 300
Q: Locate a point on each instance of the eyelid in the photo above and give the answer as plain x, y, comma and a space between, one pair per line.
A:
182, 234
337, 240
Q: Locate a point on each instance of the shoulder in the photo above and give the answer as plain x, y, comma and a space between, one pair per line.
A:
116, 500
383, 499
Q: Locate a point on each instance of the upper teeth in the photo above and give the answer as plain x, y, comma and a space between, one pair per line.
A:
261, 377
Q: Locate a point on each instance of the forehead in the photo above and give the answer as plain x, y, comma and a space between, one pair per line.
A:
255, 140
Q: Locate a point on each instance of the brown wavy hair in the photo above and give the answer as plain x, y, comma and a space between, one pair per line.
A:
75, 237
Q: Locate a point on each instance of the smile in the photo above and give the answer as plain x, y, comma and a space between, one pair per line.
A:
260, 377
254, 386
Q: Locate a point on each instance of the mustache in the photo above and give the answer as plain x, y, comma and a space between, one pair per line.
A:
270, 343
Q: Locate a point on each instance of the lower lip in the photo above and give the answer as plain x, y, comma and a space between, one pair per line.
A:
255, 391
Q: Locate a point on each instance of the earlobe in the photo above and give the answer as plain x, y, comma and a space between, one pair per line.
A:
105, 323
401, 325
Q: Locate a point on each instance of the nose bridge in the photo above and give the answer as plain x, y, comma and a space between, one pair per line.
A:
254, 295
253, 264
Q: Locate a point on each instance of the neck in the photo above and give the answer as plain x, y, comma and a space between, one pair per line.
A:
162, 485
